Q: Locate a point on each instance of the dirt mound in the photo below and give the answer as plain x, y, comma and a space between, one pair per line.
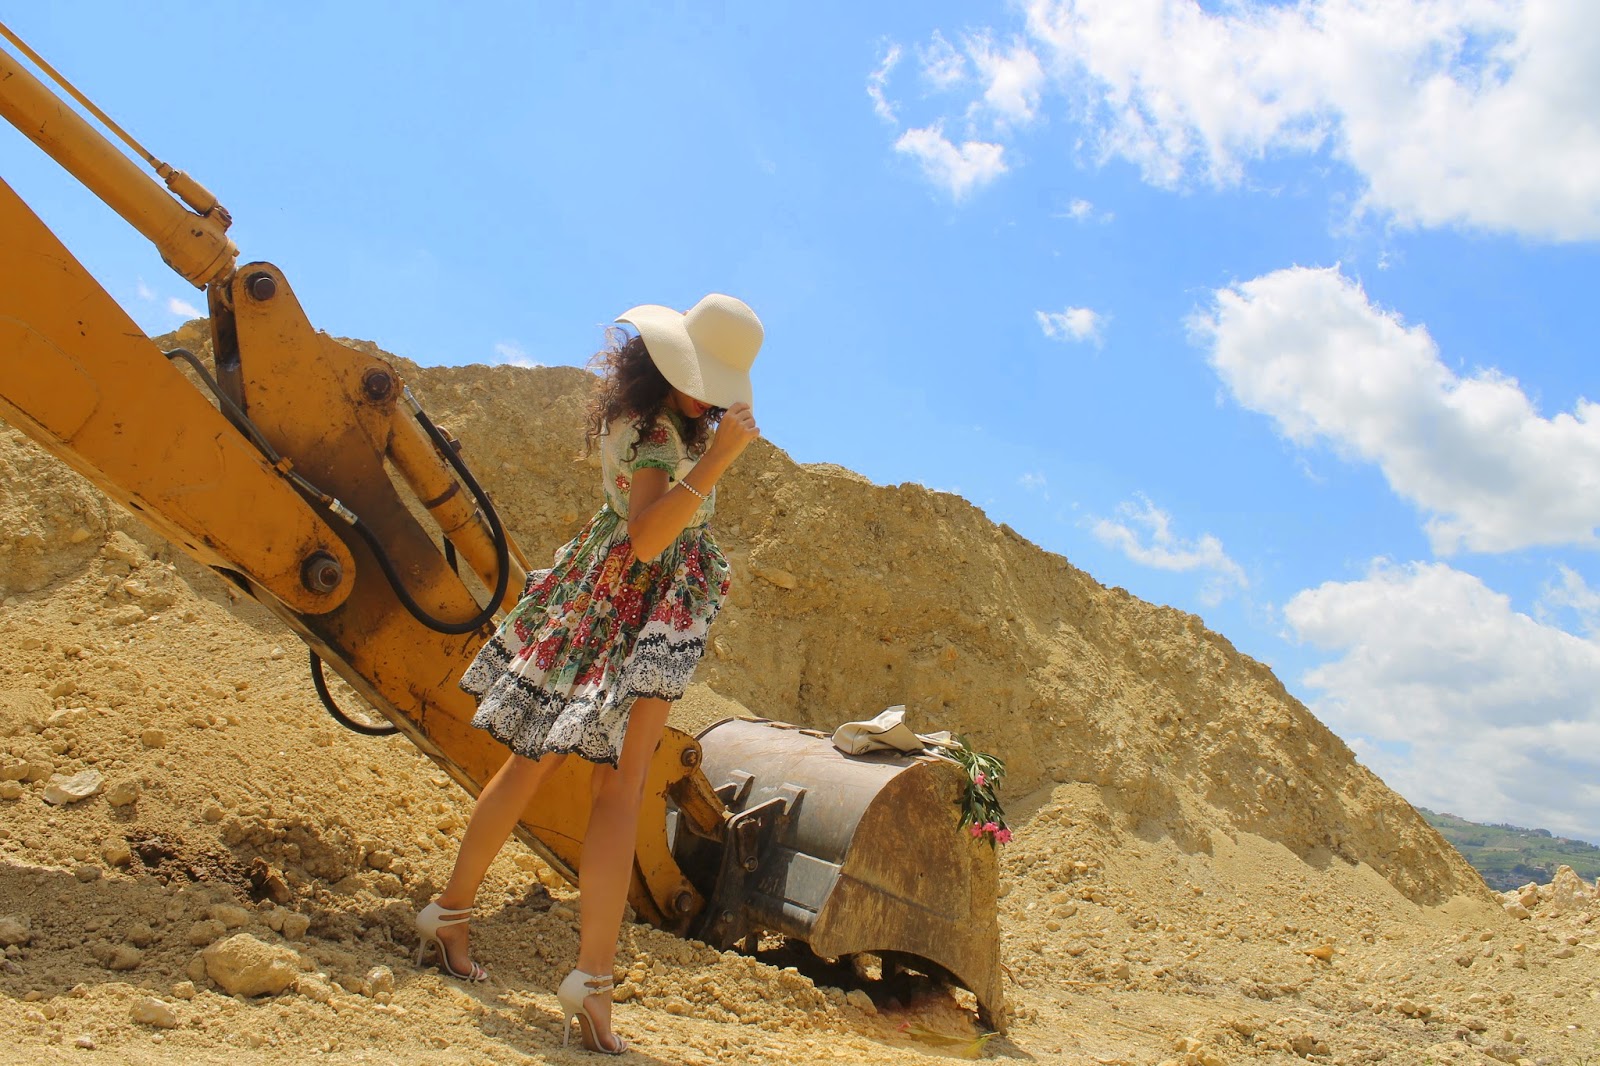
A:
1202, 872
854, 597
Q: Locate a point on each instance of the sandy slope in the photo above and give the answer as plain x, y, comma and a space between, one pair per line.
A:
1202, 872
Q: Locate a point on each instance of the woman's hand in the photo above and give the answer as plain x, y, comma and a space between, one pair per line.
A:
735, 432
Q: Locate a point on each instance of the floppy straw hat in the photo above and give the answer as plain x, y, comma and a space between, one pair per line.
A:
705, 351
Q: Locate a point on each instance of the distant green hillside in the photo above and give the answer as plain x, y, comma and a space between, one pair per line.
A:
1509, 856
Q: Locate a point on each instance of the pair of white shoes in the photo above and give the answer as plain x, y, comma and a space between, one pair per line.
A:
575, 988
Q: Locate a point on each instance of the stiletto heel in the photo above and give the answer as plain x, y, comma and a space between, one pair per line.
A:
434, 918
575, 989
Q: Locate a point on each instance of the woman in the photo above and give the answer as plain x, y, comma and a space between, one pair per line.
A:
592, 657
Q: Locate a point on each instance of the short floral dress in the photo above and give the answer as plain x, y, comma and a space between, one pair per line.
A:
602, 628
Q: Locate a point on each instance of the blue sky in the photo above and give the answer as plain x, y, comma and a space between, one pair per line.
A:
1278, 314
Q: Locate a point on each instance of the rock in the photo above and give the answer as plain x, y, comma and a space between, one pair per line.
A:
121, 548
230, 915
860, 1001
80, 786
313, 987
117, 852
85, 1041
67, 716
124, 957
184, 990
10, 790
244, 966
148, 1010
15, 929
295, 926
197, 968
153, 738
1518, 911
1567, 890
774, 576
1305, 1045
380, 980
122, 793
206, 932
270, 883
86, 872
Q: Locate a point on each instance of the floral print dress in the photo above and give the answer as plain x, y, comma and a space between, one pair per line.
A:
602, 627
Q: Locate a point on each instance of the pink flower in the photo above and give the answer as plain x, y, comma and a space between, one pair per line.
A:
980, 779
977, 830
990, 828
1004, 836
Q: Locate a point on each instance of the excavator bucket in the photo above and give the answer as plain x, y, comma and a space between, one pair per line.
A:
849, 854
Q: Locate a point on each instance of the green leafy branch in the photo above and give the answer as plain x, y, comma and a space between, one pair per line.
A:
979, 802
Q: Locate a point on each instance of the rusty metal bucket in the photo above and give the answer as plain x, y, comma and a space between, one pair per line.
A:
850, 854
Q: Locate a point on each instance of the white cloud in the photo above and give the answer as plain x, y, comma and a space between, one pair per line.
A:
1439, 105
1073, 324
958, 170
145, 292
941, 65
878, 81
187, 310
1306, 348
1078, 211
1012, 79
1574, 593
511, 354
1459, 702
1034, 482
1145, 535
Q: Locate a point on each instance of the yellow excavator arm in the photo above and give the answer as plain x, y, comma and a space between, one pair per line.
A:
279, 480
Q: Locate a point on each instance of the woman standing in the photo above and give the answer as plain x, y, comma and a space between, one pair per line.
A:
592, 657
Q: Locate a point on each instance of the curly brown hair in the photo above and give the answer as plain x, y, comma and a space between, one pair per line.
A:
630, 385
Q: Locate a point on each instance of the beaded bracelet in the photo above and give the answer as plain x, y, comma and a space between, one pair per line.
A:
694, 491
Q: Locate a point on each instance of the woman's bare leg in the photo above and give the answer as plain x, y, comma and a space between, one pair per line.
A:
606, 865
500, 805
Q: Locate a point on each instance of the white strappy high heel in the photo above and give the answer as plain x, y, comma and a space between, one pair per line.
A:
434, 918
577, 987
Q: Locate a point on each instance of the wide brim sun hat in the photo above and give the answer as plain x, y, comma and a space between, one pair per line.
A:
704, 352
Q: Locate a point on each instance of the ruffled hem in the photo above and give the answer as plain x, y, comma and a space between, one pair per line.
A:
592, 635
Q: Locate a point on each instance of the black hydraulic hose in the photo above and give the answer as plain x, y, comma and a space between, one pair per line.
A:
239, 418
502, 547
321, 684
390, 573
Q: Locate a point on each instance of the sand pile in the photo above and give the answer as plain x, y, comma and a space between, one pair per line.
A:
1202, 873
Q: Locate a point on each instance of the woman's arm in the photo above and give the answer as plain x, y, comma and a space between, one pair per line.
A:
658, 511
